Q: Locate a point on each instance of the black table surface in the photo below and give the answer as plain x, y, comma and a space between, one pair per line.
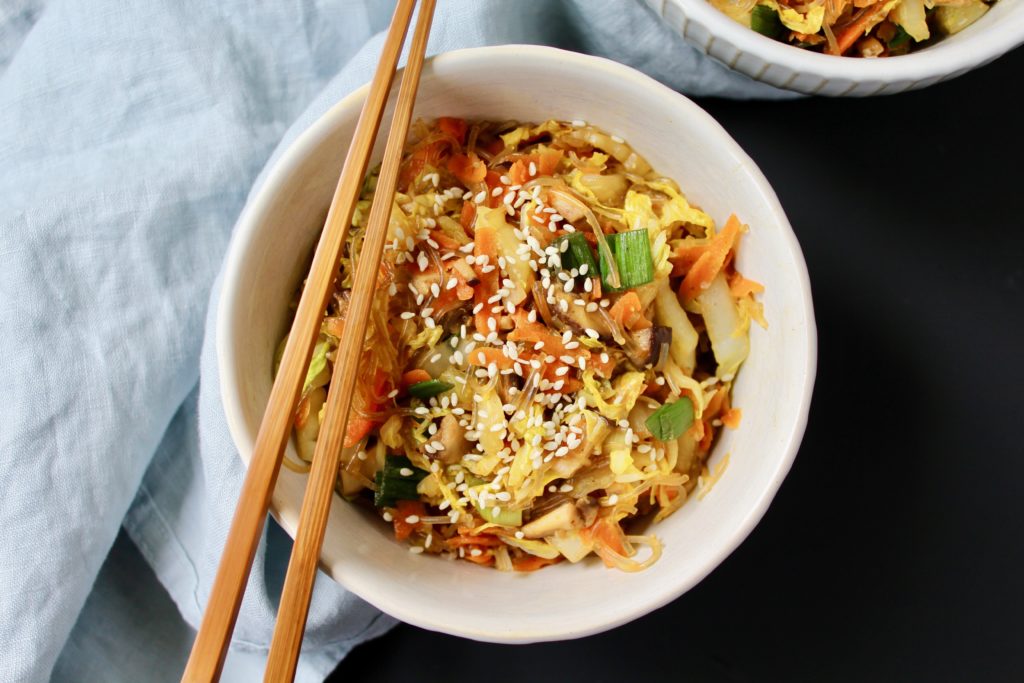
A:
895, 548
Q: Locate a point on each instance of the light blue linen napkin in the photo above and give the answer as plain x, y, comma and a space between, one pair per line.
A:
130, 137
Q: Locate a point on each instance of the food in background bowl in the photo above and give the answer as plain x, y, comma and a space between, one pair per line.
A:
551, 347
861, 28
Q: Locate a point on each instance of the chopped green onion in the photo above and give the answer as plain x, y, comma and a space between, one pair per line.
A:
632, 253
671, 420
900, 38
397, 481
765, 21
576, 253
504, 517
428, 388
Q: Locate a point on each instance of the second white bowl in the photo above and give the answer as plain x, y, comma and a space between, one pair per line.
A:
785, 66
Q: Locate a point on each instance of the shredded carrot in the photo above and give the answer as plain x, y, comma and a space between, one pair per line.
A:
526, 331
469, 169
482, 540
493, 180
544, 163
486, 558
365, 399
607, 533
550, 372
628, 312
731, 418
463, 291
443, 240
709, 434
487, 355
485, 244
468, 216
849, 35
429, 154
334, 326
717, 403
415, 376
531, 563
711, 261
740, 286
454, 127
404, 509
302, 412
602, 368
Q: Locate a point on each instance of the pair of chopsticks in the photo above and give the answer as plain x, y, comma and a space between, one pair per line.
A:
218, 622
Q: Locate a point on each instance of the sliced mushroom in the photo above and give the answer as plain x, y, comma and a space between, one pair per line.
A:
587, 508
576, 317
453, 438
651, 346
565, 516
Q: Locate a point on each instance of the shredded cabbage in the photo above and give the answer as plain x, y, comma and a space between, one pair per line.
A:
513, 388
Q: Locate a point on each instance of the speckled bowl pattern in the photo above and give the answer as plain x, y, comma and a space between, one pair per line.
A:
1000, 30
270, 250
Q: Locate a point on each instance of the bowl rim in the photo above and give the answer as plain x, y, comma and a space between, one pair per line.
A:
289, 162
945, 58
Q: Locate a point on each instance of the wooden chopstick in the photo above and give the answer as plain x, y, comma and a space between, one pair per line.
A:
298, 584
210, 646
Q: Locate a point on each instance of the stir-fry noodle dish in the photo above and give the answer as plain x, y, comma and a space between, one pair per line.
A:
551, 348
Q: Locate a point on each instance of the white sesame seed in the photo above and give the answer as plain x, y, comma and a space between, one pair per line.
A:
412, 519
415, 549
407, 315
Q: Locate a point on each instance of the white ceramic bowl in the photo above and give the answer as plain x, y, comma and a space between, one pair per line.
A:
271, 247
785, 66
